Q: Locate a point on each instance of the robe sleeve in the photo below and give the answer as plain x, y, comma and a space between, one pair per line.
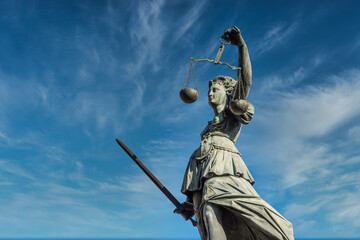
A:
247, 116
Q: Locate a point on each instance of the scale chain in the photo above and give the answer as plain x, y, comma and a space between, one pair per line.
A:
193, 72
187, 79
186, 83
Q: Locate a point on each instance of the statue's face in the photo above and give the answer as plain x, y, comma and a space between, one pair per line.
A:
217, 95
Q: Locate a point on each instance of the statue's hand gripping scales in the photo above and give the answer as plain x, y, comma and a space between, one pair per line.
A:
217, 183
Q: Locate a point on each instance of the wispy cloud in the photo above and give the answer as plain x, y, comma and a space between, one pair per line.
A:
310, 113
354, 133
276, 35
6, 166
299, 123
147, 32
298, 211
163, 144
52, 201
288, 78
54, 212
346, 208
4, 137
188, 20
138, 183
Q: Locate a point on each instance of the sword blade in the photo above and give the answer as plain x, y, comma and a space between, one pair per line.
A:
149, 174
152, 177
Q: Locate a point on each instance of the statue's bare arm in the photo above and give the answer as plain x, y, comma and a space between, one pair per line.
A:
241, 109
233, 36
245, 64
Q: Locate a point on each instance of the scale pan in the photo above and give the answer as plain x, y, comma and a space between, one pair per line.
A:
189, 95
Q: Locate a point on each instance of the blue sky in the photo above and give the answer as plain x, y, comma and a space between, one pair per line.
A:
74, 75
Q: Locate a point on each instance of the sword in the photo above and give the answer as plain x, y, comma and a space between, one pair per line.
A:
152, 177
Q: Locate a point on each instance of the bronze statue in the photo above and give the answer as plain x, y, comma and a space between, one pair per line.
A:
217, 183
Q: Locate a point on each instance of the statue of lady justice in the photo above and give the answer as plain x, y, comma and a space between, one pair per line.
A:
217, 183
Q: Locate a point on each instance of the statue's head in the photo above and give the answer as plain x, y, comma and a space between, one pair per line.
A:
221, 90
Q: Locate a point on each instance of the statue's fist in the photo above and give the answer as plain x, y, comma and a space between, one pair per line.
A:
186, 210
239, 106
233, 36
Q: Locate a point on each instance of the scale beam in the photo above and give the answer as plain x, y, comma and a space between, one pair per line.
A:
213, 61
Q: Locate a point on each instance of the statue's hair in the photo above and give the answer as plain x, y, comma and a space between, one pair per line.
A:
227, 82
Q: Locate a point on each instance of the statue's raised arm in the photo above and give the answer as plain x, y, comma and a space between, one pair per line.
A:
233, 36
239, 106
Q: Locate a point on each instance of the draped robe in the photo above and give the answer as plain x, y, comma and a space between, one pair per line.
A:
217, 170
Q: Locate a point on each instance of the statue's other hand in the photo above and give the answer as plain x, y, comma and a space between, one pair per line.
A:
186, 210
233, 36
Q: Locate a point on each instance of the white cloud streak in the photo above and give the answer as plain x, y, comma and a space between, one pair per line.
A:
189, 19
6, 166
308, 113
276, 35
147, 32
294, 127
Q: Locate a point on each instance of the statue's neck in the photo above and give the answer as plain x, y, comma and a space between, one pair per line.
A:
218, 117
219, 109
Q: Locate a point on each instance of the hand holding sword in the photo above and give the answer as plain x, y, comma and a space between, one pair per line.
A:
185, 209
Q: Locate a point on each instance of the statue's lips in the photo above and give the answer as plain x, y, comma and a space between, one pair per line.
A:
212, 100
